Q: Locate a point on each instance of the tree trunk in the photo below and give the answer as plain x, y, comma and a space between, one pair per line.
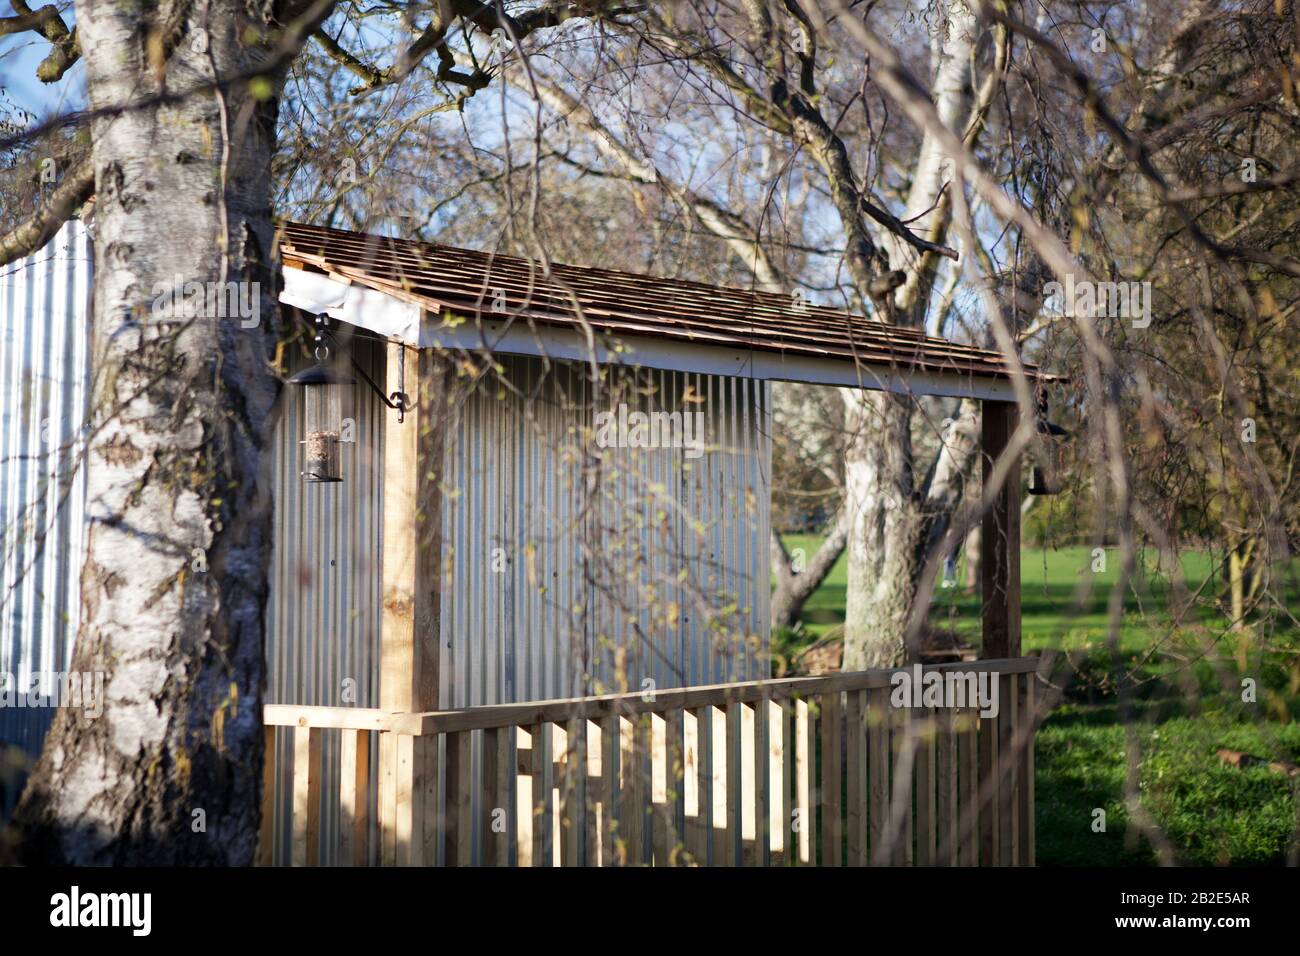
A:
174, 586
794, 587
1241, 587
972, 546
886, 543
885, 529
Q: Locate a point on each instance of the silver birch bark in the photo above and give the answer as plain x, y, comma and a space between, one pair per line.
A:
174, 586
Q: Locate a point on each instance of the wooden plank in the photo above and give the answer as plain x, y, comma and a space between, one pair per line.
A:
388, 799
631, 810
610, 793
523, 799
416, 810
990, 791
266, 830
748, 788
945, 760
791, 848
805, 788
832, 779
573, 793
306, 796
778, 780
1000, 539
459, 819
734, 836
855, 745
354, 798
594, 708
412, 550
326, 718
1008, 766
407, 821
762, 855
699, 826
674, 780
495, 830
902, 774
969, 784
989, 802
878, 744
1027, 727
591, 796
627, 811
639, 832
543, 840
429, 826
656, 820
926, 828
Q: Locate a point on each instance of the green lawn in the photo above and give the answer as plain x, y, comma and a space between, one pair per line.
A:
1184, 703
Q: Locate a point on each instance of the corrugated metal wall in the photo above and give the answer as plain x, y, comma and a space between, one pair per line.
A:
324, 611
569, 569
668, 562
574, 569
44, 398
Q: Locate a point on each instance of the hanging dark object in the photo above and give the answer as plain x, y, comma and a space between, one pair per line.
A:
325, 389
1045, 479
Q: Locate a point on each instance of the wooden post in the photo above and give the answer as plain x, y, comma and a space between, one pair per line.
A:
1000, 540
408, 675
408, 669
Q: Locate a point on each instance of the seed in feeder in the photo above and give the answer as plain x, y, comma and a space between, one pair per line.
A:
320, 445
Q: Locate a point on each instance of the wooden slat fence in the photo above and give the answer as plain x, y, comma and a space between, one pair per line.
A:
803, 771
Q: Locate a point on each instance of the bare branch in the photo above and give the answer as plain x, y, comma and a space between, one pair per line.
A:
53, 212
46, 21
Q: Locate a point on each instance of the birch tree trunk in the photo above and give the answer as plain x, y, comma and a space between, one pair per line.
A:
174, 587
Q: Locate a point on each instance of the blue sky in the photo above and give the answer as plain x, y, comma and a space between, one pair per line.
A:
19, 57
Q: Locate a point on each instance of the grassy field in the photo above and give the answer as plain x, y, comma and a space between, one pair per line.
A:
1184, 704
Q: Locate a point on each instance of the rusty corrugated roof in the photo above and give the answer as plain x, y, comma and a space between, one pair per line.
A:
469, 283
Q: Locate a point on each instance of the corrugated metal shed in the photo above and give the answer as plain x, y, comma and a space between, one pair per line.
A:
572, 569
44, 399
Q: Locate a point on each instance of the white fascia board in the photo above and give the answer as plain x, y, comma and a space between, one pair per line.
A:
354, 304
393, 318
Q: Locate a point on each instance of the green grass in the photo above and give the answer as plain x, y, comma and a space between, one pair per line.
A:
1183, 705
1210, 814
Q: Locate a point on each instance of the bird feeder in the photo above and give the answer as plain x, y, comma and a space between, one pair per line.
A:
1045, 478
325, 391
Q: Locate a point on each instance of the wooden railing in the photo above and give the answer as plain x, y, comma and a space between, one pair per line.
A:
819, 770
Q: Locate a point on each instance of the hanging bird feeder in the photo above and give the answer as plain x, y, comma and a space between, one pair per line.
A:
325, 391
1045, 478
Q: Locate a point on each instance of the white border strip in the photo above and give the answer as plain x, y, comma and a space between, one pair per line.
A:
354, 304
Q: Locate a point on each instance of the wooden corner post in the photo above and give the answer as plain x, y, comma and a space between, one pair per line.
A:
408, 674
409, 637
1000, 539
